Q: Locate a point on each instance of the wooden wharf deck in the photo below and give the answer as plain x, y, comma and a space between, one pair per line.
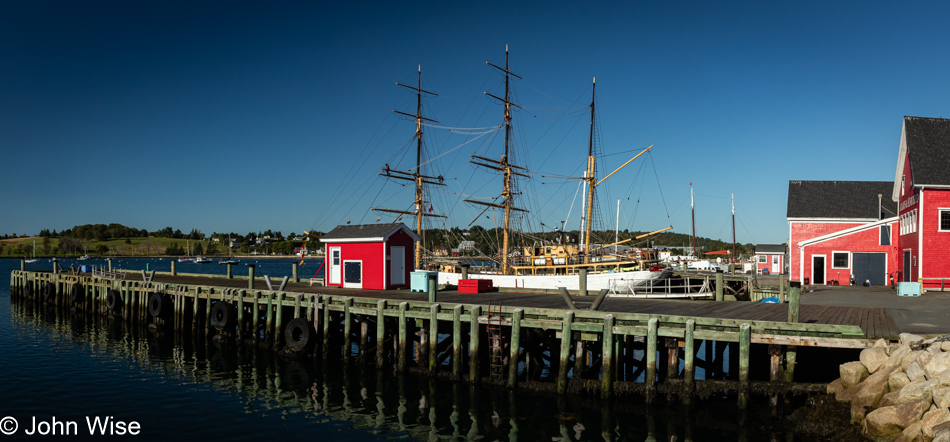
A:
607, 350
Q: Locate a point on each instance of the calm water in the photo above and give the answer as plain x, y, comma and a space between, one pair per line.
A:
71, 366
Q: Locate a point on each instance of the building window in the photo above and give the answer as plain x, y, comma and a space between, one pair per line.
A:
885, 235
839, 260
945, 220
763, 259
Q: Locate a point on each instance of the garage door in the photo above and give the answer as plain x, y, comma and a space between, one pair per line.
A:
869, 267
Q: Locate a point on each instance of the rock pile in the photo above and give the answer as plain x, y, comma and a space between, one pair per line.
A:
899, 392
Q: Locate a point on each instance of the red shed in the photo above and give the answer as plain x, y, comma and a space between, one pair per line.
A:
369, 256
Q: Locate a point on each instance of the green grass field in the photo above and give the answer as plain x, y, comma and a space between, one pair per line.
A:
18, 247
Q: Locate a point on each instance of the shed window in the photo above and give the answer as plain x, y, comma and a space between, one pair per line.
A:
944, 220
839, 260
763, 259
885, 235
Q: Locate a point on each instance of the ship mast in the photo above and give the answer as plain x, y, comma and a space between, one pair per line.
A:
415, 174
503, 165
734, 249
592, 182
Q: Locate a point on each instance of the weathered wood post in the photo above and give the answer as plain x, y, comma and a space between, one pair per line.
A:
347, 328
174, 268
791, 352
652, 332
457, 342
516, 316
689, 361
110, 263
582, 282
269, 322
380, 333
607, 360
278, 320
719, 291
672, 358
464, 267
432, 289
230, 274
250, 276
565, 353
433, 334
402, 338
781, 287
23, 265
745, 342
474, 344
242, 328
294, 272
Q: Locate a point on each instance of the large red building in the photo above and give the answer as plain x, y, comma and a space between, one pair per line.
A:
922, 190
840, 229
369, 256
879, 232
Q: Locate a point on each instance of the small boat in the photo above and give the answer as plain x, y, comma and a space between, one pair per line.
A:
83, 257
33, 259
229, 261
202, 260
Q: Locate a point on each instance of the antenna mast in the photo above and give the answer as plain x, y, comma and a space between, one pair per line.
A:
415, 174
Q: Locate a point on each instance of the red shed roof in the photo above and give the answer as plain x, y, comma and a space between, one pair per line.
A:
366, 233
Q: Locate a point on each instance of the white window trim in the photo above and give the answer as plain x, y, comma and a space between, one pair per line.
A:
940, 211
833, 252
761, 257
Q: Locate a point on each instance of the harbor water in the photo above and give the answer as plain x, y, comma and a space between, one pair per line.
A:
61, 367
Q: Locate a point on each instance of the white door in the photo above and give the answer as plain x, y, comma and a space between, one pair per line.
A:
334, 267
397, 265
775, 267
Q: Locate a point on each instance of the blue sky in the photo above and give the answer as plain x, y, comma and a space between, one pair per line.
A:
245, 116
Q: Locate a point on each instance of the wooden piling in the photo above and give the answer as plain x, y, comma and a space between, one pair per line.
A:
650, 380
402, 338
565, 353
719, 289
433, 334
607, 360
347, 329
689, 361
515, 347
457, 342
745, 342
250, 276
380, 333
278, 320
474, 343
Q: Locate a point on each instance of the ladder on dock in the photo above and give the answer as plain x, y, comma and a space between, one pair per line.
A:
496, 362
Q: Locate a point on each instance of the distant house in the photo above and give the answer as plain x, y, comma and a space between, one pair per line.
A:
841, 228
921, 188
369, 256
770, 259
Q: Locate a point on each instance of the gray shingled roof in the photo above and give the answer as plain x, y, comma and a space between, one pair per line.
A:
769, 248
928, 144
839, 199
365, 231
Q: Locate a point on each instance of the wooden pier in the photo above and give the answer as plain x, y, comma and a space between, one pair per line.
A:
533, 340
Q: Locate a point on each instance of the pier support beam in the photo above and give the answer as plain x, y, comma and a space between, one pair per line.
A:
433, 335
565, 354
474, 344
250, 276
791, 352
457, 342
174, 270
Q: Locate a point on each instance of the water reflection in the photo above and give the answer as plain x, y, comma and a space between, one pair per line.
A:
367, 403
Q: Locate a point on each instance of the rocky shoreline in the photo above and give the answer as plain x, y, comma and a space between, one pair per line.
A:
899, 392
